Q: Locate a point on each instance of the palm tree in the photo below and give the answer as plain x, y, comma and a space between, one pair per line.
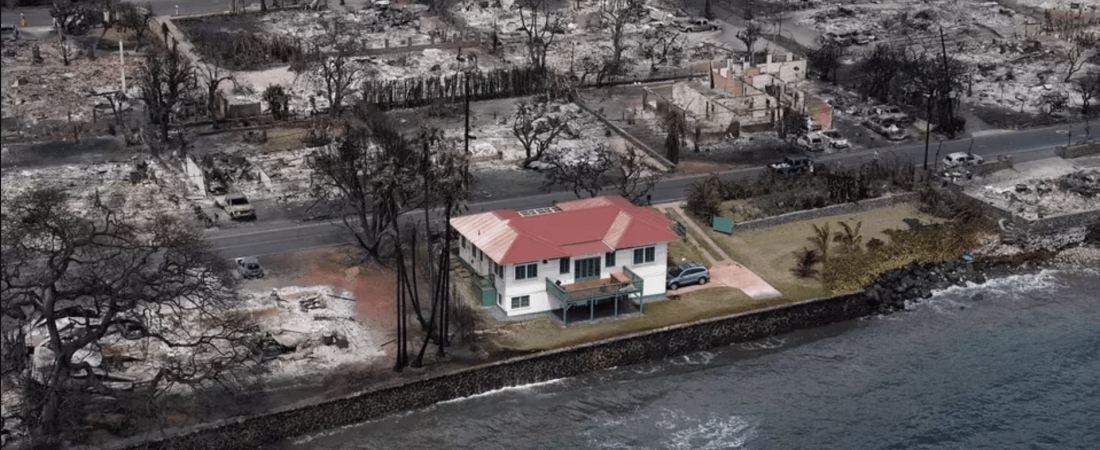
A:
820, 239
849, 239
807, 259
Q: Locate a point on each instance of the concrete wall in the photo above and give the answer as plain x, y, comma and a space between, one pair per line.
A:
251, 432
1079, 150
828, 211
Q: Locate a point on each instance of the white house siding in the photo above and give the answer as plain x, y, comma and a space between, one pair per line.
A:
653, 273
482, 264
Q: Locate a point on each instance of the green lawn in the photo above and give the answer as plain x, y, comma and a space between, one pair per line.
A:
770, 252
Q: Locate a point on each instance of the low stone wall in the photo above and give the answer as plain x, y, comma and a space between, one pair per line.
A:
828, 211
251, 432
1079, 150
993, 166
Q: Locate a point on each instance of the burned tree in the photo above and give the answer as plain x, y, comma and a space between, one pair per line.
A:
1088, 86
631, 175
1084, 45
213, 73
880, 71
329, 63
582, 174
661, 45
752, 33
539, 37
134, 18
92, 282
164, 84
276, 98
826, 59
72, 18
616, 15
65, 48
537, 125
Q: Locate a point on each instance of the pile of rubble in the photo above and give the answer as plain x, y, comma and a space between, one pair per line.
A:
1035, 199
51, 91
137, 187
397, 23
307, 330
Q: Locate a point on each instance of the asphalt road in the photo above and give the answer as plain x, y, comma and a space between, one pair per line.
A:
266, 238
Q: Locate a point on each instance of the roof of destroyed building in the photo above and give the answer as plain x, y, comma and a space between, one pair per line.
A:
575, 228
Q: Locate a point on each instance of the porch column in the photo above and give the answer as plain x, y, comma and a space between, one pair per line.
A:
591, 309
616, 304
565, 313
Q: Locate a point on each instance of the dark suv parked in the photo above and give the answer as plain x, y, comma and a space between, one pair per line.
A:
685, 274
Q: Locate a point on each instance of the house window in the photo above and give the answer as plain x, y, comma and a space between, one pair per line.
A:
526, 271
563, 265
463, 241
645, 255
500, 300
521, 301
498, 269
481, 255
609, 259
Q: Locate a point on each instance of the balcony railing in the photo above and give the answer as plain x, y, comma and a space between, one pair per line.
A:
619, 285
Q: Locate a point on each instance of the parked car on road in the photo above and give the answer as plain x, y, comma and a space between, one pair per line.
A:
960, 159
685, 274
696, 25
236, 205
887, 128
836, 38
813, 142
835, 139
892, 113
249, 267
795, 164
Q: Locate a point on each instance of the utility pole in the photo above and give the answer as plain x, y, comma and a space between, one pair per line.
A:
928, 129
947, 87
122, 66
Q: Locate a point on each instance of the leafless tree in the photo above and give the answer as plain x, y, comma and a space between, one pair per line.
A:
583, 174
660, 45
752, 33
65, 48
329, 63
1084, 45
537, 125
71, 17
826, 59
539, 37
213, 71
134, 18
363, 177
1088, 85
631, 175
94, 279
616, 14
165, 82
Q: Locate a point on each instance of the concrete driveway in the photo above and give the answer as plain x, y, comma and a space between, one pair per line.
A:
738, 277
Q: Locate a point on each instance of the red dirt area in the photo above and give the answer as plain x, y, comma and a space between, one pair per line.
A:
373, 286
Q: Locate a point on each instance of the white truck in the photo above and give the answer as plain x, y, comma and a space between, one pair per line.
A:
236, 205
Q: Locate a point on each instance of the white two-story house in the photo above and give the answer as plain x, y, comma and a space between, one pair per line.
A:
573, 254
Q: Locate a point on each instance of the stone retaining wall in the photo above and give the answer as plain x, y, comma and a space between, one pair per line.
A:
1079, 150
251, 432
828, 211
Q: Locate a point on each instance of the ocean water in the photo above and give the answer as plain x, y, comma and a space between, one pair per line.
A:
1012, 364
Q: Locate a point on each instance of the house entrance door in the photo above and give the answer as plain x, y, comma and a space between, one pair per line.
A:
586, 269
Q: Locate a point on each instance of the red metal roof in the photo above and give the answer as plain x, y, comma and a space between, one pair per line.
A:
582, 227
